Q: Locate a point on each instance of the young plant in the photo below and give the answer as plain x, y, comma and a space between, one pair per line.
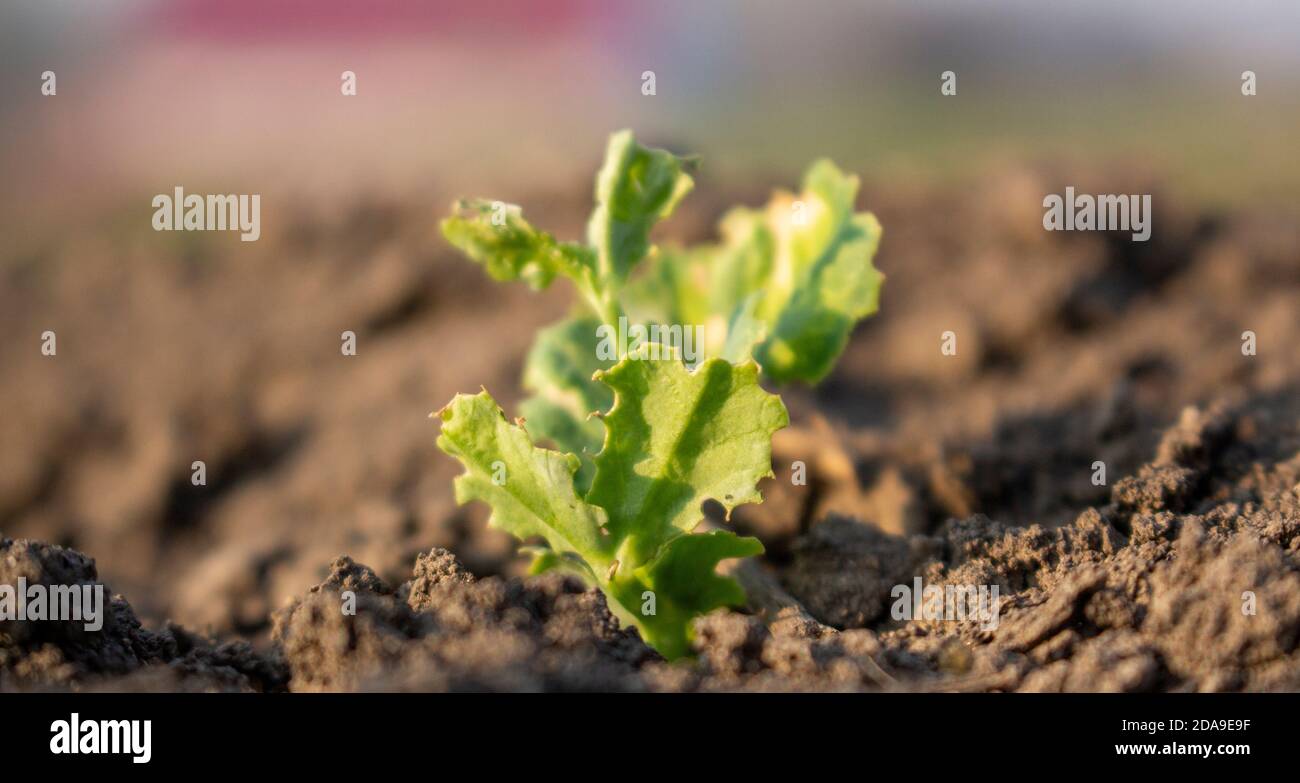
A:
644, 440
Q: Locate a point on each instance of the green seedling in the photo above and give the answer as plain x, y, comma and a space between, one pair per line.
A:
642, 439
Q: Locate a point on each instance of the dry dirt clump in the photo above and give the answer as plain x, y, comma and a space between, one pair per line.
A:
42, 654
1188, 580
446, 630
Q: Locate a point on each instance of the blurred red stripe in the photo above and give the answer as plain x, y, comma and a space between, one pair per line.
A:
307, 19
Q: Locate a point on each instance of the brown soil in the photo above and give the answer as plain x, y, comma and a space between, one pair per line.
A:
967, 469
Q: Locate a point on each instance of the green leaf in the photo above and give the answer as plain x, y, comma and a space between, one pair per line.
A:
794, 278
683, 583
822, 280
559, 372
545, 559
672, 291
530, 490
635, 188
676, 572
676, 438
742, 266
744, 331
496, 235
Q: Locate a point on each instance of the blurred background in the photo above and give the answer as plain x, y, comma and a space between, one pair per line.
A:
491, 94
176, 347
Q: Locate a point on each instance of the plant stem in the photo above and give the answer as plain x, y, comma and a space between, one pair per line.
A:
605, 304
